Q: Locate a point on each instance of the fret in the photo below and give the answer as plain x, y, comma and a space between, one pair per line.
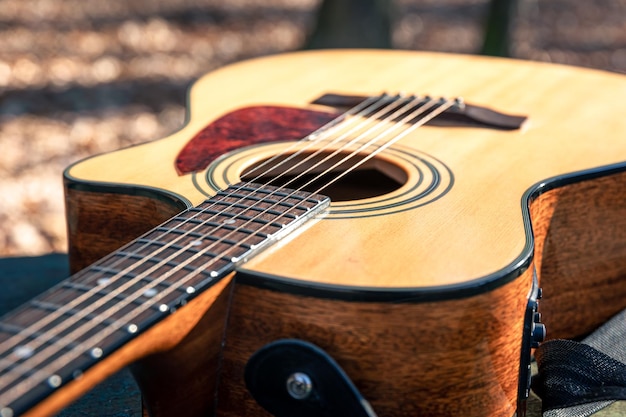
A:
190, 238
148, 293
188, 262
66, 330
104, 282
100, 284
147, 264
236, 229
58, 327
219, 218
12, 329
254, 211
51, 307
250, 214
264, 204
187, 235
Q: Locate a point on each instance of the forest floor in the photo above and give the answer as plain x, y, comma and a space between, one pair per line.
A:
81, 77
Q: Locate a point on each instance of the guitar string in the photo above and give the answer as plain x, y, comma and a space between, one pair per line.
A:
359, 110
380, 148
442, 108
370, 104
318, 163
118, 290
44, 373
77, 302
409, 104
391, 102
432, 115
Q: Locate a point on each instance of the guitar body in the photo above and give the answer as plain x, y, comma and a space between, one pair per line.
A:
418, 282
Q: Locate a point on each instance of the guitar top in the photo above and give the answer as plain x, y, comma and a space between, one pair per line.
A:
454, 216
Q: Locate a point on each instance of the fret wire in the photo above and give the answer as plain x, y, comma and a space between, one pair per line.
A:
170, 260
264, 200
278, 214
117, 307
247, 209
116, 296
13, 328
195, 237
225, 227
238, 216
47, 306
108, 287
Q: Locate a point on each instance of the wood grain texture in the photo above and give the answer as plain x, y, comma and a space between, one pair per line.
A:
183, 380
449, 358
99, 221
580, 232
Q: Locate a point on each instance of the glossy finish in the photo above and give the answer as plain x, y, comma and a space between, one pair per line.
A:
464, 349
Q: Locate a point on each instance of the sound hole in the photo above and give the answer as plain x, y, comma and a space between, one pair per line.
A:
318, 173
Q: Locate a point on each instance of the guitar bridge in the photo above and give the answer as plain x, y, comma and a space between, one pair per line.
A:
460, 115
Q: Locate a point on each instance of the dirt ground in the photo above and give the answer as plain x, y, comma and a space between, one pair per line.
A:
80, 77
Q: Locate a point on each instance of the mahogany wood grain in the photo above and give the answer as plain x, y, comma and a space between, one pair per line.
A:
164, 377
100, 221
580, 232
406, 358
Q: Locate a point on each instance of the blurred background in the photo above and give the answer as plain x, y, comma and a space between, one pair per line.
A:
80, 77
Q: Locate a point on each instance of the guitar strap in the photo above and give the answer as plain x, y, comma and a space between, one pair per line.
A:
577, 379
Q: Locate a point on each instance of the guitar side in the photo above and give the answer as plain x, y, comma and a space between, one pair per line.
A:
460, 353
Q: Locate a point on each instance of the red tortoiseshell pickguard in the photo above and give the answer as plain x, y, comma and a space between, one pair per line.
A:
248, 126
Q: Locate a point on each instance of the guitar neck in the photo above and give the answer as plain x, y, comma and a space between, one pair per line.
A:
59, 335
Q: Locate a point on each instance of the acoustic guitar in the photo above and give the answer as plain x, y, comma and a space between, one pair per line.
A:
395, 216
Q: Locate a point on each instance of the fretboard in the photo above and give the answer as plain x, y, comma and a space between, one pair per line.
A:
57, 336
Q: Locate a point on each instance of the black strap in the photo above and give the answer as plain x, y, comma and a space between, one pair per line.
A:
572, 373
577, 379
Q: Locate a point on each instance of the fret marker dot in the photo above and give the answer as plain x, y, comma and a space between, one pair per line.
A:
55, 381
132, 328
229, 221
96, 352
190, 290
23, 351
163, 308
6, 412
213, 274
196, 242
103, 281
150, 292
